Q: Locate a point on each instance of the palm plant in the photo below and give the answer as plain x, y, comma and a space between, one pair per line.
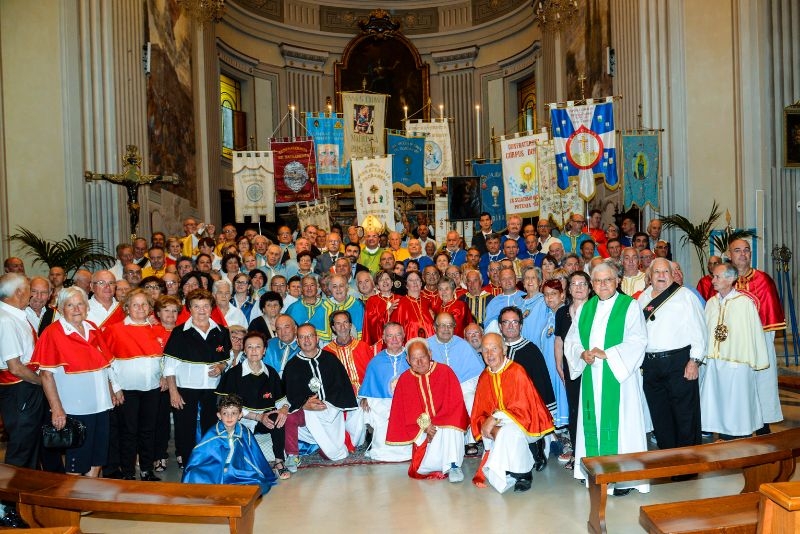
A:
696, 235
71, 253
722, 240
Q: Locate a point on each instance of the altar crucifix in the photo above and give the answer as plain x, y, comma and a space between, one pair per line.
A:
132, 179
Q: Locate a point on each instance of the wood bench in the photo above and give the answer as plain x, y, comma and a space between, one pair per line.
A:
780, 508
763, 459
56, 500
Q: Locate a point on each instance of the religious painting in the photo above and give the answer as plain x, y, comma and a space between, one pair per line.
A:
383, 61
170, 102
791, 136
588, 36
363, 121
464, 198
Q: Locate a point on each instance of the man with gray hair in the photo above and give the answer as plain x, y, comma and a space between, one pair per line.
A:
21, 397
104, 310
83, 279
39, 314
671, 363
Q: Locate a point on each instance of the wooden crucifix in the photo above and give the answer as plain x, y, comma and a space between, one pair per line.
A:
132, 179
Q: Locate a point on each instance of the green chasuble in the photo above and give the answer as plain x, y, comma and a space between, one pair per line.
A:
371, 261
607, 440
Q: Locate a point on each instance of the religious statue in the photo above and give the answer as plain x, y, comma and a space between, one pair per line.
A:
132, 178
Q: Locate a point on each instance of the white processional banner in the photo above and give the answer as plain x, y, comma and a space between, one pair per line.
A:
318, 215
520, 172
364, 118
555, 204
440, 211
372, 184
438, 155
253, 185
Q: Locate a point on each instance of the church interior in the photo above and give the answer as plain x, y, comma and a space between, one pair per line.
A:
188, 83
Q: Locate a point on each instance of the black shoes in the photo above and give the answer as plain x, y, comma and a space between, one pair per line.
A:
523, 481
682, 478
622, 492
149, 476
539, 456
11, 519
116, 474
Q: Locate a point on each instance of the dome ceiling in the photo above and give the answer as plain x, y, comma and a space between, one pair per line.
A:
416, 17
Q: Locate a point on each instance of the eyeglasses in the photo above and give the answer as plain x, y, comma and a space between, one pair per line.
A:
603, 281
170, 283
152, 286
510, 322
579, 284
103, 283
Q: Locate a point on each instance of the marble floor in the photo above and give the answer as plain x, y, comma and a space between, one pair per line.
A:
381, 498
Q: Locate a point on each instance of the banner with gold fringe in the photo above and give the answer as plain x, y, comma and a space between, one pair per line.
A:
372, 185
253, 185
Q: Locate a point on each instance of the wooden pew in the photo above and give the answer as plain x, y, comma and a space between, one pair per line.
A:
55, 500
780, 508
763, 459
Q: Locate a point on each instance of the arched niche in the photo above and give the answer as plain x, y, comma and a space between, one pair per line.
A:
382, 60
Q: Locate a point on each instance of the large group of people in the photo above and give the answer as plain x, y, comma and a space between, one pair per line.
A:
525, 343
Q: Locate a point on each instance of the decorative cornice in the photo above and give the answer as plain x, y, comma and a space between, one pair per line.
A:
461, 58
303, 58
233, 58
521, 60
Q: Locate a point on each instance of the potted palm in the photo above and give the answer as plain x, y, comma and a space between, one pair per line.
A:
70, 253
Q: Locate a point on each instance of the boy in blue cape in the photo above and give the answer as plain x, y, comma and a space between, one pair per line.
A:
228, 452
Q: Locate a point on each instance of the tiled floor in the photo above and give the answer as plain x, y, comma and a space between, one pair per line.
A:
381, 498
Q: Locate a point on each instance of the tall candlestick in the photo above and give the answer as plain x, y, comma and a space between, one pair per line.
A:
478, 131
441, 111
291, 108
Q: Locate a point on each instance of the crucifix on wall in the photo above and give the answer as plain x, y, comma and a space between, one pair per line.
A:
132, 179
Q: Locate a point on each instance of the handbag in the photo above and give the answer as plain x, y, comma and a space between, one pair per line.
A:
71, 436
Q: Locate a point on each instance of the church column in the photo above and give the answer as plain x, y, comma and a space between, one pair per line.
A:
456, 73
205, 76
304, 82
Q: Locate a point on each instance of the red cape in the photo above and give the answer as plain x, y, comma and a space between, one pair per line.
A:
355, 356
375, 317
761, 287
510, 391
436, 393
460, 312
415, 316
705, 288
55, 349
216, 316
134, 341
116, 316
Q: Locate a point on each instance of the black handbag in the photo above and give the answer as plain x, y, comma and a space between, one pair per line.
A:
71, 436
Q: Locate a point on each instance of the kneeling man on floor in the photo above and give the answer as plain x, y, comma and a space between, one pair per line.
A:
508, 414
428, 411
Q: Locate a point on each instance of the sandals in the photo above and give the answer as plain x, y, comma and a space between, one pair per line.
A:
281, 470
159, 466
471, 450
179, 460
570, 465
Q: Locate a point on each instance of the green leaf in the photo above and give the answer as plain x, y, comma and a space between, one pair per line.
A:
70, 253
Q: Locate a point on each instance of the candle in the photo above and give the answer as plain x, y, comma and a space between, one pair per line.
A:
291, 108
405, 113
441, 111
478, 131
330, 110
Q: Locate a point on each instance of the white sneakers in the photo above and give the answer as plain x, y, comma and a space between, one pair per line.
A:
292, 462
455, 475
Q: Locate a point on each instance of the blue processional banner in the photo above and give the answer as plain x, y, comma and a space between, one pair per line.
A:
328, 133
641, 157
493, 196
408, 154
585, 145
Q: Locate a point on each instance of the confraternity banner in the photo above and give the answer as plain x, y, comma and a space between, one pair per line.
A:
641, 169
295, 170
492, 192
518, 155
438, 157
253, 185
333, 170
407, 166
585, 145
317, 215
555, 205
372, 184
364, 116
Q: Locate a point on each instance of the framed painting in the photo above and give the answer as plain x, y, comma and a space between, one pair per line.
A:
791, 135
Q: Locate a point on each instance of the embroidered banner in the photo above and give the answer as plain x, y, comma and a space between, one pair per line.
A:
372, 181
440, 213
555, 205
438, 158
641, 160
518, 155
408, 172
364, 116
295, 170
333, 170
492, 192
585, 145
253, 185
317, 215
